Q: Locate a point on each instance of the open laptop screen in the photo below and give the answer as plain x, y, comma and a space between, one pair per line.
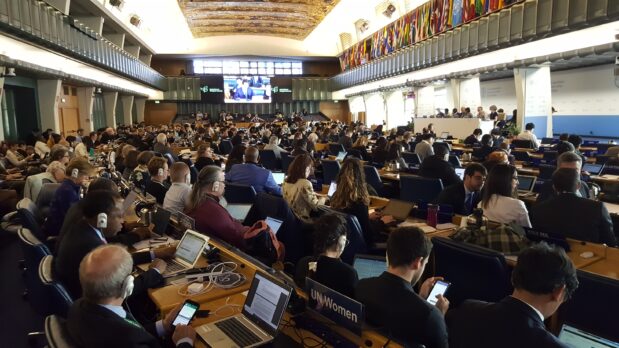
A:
131, 197
460, 173
238, 211
190, 247
398, 209
576, 338
341, 155
266, 302
369, 266
274, 224
526, 183
279, 178
593, 169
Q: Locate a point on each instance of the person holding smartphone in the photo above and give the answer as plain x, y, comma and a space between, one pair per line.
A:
392, 304
98, 319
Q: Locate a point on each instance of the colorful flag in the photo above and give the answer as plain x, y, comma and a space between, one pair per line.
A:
457, 9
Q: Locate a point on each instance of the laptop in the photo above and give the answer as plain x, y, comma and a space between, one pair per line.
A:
258, 322
369, 266
400, 210
275, 224
187, 253
340, 156
455, 161
444, 135
238, 211
576, 338
526, 184
593, 169
185, 222
460, 173
332, 189
129, 200
279, 177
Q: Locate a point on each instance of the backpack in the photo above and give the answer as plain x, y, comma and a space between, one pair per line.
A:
261, 243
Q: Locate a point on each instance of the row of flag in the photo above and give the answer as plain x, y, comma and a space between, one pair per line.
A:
431, 18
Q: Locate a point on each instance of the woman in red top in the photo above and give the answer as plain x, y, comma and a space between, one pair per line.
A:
211, 217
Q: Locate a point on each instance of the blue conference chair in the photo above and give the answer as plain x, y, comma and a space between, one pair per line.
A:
239, 194
550, 155
474, 272
521, 156
330, 170
523, 144
373, 179
225, 147
29, 216
56, 333
415, 188
34, 251
356, 240
268, 159
546, 171
45, 197
58, 299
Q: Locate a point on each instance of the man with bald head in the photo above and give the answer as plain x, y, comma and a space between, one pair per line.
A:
98, 319
252, 174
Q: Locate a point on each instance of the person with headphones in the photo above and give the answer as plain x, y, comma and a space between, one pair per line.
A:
158, 170
98, 319
326, 267
77, 172
102, 219
178, 195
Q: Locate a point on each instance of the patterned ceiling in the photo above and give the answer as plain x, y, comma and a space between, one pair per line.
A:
293, 19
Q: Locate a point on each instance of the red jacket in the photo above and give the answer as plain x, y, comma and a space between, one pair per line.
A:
214, 220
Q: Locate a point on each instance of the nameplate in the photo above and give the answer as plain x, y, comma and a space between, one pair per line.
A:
334, 306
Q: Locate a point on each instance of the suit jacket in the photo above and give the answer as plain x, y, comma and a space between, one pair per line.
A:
483, 152
66, 195
509, 323
79, 241
346, 141
393, 306
239, 94
574, 217
424, 150
437, 167
455, 196
34, 184
548, 191
252, 174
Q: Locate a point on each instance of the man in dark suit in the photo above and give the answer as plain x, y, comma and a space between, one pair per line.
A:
543, 279
465, 196
474, 138
565, 160
90, 233
437, 166
346, 140
572, 216
390, 302
98, 319
244, 92
486, 148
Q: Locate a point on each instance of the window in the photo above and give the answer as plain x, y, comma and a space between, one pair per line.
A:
244, 67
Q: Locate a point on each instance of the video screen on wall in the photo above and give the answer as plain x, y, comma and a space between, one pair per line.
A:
247, 89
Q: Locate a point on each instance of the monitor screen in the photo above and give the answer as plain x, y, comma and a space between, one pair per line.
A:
593, 169
279, 178
266, 301
460, 173
525, 183
575, 338
247, 89
369, 266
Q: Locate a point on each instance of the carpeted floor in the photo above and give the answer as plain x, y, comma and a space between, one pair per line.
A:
18, 317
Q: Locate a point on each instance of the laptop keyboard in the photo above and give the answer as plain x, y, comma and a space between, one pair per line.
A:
238, 332
173, 266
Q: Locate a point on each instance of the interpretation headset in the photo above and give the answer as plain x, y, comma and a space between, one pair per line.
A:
102, 220
341, 243
75, 173
127, 286
216, 186
160, 172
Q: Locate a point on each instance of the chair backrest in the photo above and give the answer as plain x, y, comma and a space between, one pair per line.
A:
239, 194
286, 160
356, 241
268, 159
411, 158
415, 188
474, 272
330, 170
33, 251
56, 333
436, 145
59, 300
546, 170
373, 178
455, 161
28, 215
525, 144
335, 149
28, 204
225, 147
45, 197
521, 155
585, 304
550, 155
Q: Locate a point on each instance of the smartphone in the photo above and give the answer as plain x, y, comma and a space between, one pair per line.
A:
187, 312
440, 287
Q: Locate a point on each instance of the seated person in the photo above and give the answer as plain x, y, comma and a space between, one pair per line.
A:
424, 147
205, 157
326, 267
67, 194
392, 304
464, 196
528, 134
565, 160
236, 156
498, 198
211, 217
346, 139
359, 149
98, 319
177, 197
496, 157
572, 216
15, 157
298, 190
543, 279
380, 153
438, 167
300, 148
474, 138
273, 145
161, 146
252, 174
140, 176
158, 171
54, 173
90, 233
497, 138
486, 148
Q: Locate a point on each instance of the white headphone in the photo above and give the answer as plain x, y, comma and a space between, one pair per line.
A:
160, 172
127, 286
102, 220
74, 173
341, 243
188, 178
216, 186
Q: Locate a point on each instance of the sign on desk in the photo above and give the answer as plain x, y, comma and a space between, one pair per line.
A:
334, 306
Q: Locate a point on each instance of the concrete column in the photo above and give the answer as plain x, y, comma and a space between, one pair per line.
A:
534, 96
140, 105
2, 70
60, 5
110, 99
454, 88
146, 58
117, 39
94, 23
49, 93
133, 50
470, 94
127, 104
424, 101
85, 97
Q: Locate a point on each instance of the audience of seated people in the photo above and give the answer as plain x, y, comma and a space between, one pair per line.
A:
251, 173
499, 201
298, 190
464, 196
438, 167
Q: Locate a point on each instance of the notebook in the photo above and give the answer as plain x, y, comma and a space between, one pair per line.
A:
369, 266
577, 338
259, 320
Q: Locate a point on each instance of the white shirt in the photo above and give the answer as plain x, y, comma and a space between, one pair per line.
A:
41, 148
506, 210
528, 135
81, 151
177, 197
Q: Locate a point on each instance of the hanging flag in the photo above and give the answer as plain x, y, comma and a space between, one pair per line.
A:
457, 11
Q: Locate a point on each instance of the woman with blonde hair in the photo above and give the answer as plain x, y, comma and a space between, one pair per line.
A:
298, 191
359, 148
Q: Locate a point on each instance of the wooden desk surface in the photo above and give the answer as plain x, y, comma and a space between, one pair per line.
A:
608, 266
606, 179
388, 175
613, 208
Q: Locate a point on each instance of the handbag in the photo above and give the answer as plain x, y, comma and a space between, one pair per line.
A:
508, 239
261, 243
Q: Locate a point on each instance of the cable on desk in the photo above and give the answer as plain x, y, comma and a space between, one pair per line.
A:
233, 306
222, 280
